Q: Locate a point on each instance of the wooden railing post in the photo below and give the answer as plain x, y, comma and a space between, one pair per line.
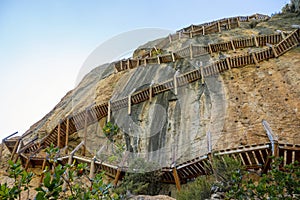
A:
151, 91
238, 22
175, 82
255, 40
272, 137
128, 63
202, 73
273, 50
203, 30
254, 59
109, 111
173, 57
129, 101
228, 22
229, 67
191, 51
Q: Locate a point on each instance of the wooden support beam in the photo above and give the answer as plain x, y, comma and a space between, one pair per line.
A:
67, 134
145, 61
203, 30
15, 149
254, 59
232, 45
27, 163
117, 177
1, 150
191, 34
191, 51
43, 168
121, 65
158, 60
209, 48
58, 134
85, 131
92, 168
176, 178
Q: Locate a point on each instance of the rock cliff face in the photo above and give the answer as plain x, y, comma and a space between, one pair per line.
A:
173, 127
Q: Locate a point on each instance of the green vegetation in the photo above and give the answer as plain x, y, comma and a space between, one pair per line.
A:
110, 130
199, 189
21, 178
278, 183
231, 179
142, 179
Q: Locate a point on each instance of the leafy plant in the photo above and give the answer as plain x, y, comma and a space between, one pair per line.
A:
110, 130
278, 183
74, 177
21, 178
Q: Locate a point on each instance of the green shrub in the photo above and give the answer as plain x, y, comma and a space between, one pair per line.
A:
145, 181
278, 183
199, 189
21, 178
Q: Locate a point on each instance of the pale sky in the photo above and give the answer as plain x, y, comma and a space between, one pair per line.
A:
43, 44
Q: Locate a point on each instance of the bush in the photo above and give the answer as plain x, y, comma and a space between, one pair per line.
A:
278, 183
145, 181
226, 171
199, 189
21, 178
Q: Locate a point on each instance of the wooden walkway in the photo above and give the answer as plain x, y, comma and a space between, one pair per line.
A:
252, 156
